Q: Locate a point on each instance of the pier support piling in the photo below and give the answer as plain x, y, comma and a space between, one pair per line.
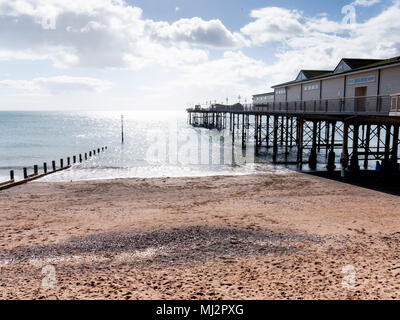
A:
312, 162
300, 145
275, 139
332, 155
344, 159
354, 165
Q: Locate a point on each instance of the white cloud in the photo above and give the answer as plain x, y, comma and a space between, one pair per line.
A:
273, 24
317, 42
196, 31
58, 85
103, 34
365, 3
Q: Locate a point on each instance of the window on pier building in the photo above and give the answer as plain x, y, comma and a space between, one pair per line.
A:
311, 87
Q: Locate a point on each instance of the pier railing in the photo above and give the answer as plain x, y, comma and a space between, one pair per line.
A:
374, 105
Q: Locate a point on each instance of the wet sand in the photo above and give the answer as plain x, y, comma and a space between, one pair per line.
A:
265, 236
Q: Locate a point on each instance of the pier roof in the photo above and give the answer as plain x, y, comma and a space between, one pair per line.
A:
346, 65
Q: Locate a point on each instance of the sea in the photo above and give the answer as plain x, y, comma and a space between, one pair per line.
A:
155, 144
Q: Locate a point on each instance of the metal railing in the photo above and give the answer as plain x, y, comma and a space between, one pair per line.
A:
395, 103
358, 105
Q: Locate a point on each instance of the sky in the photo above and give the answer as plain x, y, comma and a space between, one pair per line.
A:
172, 54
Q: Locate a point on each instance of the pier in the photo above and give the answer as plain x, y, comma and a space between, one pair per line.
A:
360, 130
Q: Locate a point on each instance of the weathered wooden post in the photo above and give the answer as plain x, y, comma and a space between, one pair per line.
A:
90, 153
256, 133
354, 165
45, 168
300, 145
395, 148
68, 161
287, 137
61, 163
11, 175
74, 159
94, 152
267, 132
53, 165
367, 144
122, 129
25, 173
386, 161
35, 170
86, 156
344, 159
331, 157
222, 150
80, 158
275, 138
312, 161
243, 133
210, 150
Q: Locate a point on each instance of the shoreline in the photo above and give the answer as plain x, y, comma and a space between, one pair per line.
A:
259, 236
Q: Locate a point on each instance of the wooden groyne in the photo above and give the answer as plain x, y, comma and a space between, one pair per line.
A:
36, 175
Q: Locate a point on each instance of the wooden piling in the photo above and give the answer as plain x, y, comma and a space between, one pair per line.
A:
300, 145
35, 170
275, 139
367, 144
395, 148
61, 163
80, 158
11, 175
287, 137
222, 150
332, 155
74, 159
243, 133
354, 165
53, 165
386, 164
344, 159
312, 162
45, 168
25, 173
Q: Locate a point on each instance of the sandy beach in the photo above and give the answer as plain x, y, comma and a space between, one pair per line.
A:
265, 236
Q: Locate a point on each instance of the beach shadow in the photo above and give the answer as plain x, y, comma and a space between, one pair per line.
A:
178, 245
365, 179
